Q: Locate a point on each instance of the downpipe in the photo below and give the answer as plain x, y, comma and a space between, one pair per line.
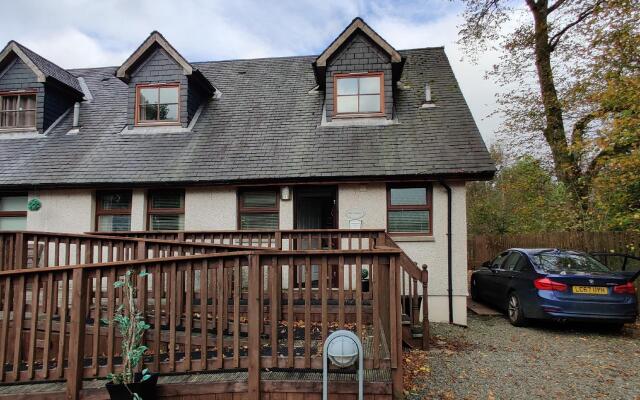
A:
449, 250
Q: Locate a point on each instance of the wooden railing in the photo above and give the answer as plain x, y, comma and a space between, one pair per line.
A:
45, 249
414, 280
299, 239
207, 312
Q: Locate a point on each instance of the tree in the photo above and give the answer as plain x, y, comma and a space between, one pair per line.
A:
523, 197
556, 66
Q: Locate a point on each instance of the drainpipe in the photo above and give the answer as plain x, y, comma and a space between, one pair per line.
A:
449, 251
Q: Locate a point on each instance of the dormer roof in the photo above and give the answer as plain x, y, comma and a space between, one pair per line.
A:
357, 26
154, 41
41, 67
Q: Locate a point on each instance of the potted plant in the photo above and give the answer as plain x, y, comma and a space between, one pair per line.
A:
128, 384
365, 280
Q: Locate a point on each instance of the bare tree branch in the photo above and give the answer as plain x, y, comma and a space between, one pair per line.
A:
555, 6
555, 39
580, 126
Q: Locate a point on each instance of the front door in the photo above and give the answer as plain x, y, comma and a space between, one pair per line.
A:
315, 207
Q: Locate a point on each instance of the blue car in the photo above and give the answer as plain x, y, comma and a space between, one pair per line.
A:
555, 284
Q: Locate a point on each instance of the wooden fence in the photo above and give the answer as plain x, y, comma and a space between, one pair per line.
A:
482, 248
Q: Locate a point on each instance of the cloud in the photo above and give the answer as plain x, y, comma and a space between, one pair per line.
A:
88, 33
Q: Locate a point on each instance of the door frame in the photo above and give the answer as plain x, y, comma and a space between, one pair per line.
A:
296, 190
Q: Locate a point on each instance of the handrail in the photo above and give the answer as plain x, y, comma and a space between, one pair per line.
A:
409, 265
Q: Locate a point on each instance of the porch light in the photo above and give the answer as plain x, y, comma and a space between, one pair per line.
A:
285, 193
343, 351
343, 348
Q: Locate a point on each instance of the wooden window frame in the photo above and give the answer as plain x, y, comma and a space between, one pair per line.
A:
137, 104
427, 207
13, 213
337, 114
102, 212
163, 211
256, 210
19, 93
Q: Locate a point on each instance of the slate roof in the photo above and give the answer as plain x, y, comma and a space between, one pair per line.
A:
265, 126
50, 69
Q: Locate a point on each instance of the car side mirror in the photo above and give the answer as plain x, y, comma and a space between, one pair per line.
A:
486, 264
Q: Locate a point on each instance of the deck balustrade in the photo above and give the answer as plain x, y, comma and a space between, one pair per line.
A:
211, 306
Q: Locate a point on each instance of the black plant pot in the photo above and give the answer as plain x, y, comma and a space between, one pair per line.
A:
365, 285
146, 390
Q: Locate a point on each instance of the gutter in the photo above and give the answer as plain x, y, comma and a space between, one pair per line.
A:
449, 251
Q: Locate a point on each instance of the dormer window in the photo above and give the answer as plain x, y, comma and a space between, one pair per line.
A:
359, 94
157, 104
18, 110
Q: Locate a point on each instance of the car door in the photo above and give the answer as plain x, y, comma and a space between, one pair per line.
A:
490, 285
503, 278
522, 279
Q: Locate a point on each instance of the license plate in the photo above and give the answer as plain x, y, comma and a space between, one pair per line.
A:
590, 290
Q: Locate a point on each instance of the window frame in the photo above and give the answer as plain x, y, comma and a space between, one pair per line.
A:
163, 211
102, 212
337, 114
136, 111
14, 214
426, 207
256, 210
19, 93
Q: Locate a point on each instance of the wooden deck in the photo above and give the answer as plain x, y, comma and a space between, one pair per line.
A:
289, 384
232, 315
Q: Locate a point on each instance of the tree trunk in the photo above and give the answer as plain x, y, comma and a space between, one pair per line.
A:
567, 167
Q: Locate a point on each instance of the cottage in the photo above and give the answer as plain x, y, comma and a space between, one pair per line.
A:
362, 137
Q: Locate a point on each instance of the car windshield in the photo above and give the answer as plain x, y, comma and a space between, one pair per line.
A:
564, 262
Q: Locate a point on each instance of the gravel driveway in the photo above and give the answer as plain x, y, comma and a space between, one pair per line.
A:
493, 360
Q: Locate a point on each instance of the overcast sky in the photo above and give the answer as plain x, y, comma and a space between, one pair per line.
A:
87, 33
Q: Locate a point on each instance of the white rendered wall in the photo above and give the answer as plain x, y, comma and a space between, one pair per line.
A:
69, 211
210, 208
138, 210
371, 199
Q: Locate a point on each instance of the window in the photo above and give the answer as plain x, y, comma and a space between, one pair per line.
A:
18, 110
409, 209
511, 262
359, 93
113, 211
498, 261
258, 209
13, 212
157, 103
166, 210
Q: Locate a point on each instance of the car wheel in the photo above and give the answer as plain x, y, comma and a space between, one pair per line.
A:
514, 310
474, 291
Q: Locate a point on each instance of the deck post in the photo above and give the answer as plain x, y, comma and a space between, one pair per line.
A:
395, 321
20, 253
76, 354
425, 308
254, 321
141, 250
278, 239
